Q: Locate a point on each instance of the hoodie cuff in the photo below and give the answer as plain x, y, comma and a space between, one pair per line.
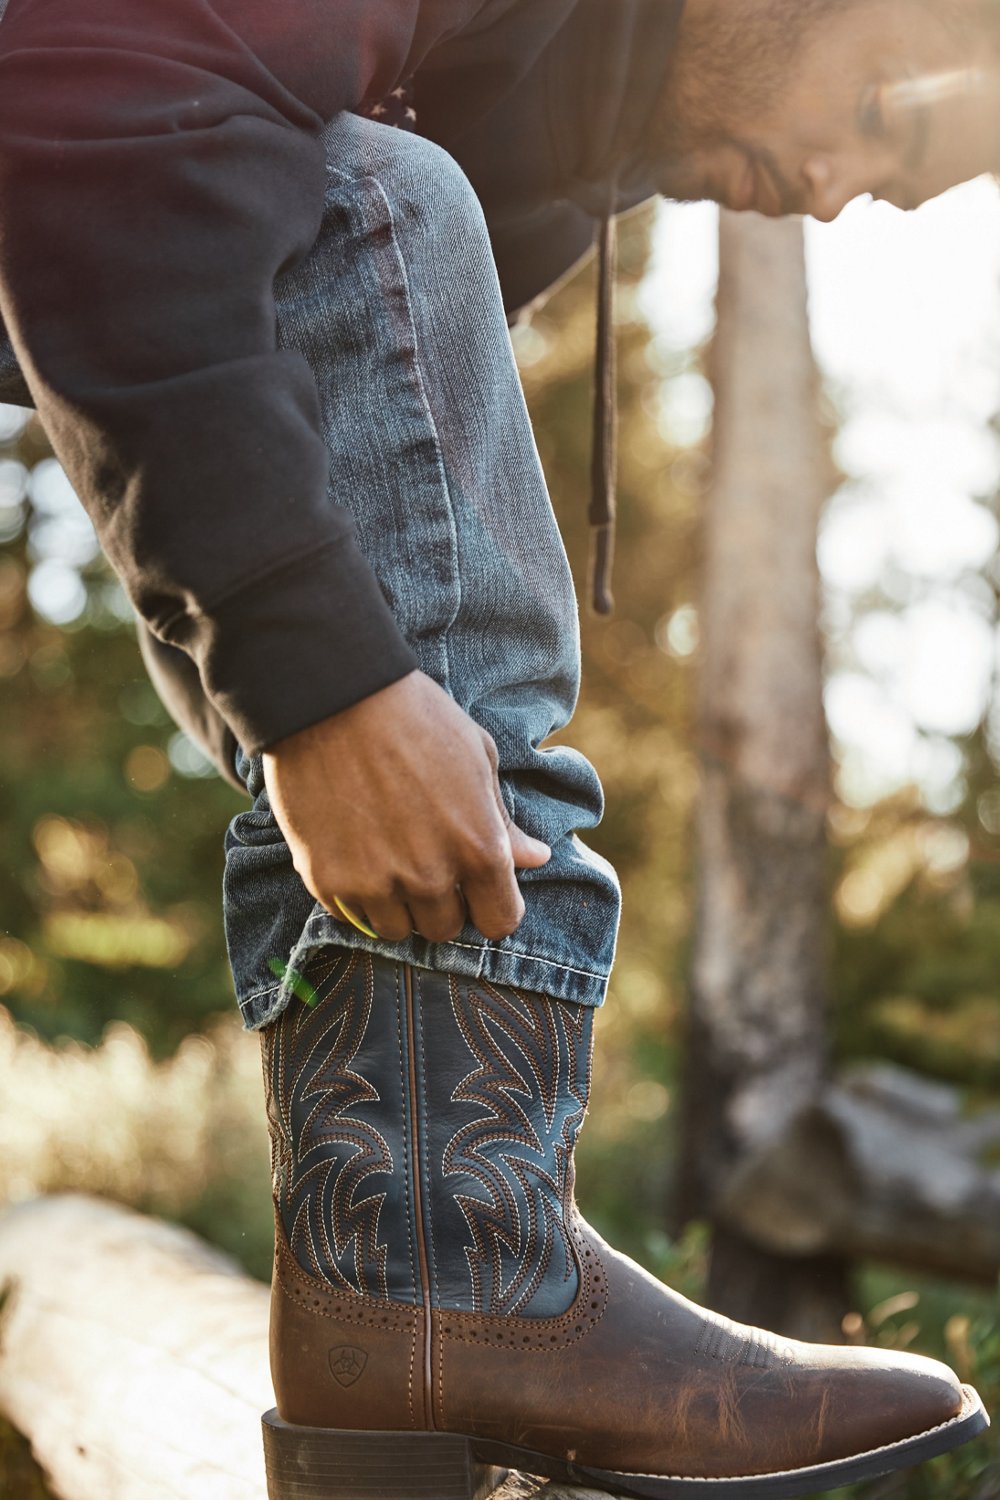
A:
298, 645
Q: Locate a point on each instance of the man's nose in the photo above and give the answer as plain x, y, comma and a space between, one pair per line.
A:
829, 185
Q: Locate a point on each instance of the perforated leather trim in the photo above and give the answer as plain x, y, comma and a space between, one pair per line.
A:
540, 1335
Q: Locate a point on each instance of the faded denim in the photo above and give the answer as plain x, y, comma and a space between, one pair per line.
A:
398, 311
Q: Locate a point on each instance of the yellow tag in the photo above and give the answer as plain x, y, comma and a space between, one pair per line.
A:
354, 919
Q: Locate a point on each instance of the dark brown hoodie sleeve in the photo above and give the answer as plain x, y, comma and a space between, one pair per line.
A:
155, 176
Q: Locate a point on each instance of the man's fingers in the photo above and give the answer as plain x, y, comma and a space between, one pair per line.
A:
387, 916
346, 913
395, 802
528, 853
505, 816
491, 894
441, 918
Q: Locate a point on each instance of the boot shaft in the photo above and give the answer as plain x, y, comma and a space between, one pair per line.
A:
422, 1133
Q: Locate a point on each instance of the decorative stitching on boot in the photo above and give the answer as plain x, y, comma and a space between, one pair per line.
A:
738, 1344
425, 1187
441, 1417
762, 1349
343, 1304
351, 1309
409, 1373
326, 1155
539, 1335
406, 1190
527, 1089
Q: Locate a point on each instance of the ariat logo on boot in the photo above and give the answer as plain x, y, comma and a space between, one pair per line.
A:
347, 1364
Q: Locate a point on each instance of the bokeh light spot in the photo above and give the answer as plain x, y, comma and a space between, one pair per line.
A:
147, 768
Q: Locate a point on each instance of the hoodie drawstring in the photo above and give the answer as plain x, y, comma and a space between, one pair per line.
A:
603, 468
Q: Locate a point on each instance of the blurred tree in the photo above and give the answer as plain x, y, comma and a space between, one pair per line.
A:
757, 1034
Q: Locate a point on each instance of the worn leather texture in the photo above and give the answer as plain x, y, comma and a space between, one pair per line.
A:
637, 1379
312, 1326
427, 1236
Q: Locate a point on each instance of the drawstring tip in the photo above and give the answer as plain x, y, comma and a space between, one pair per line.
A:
602, 600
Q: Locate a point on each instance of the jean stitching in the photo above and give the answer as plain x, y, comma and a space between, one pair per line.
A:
553, 963
432, 424
257, 994
370, 180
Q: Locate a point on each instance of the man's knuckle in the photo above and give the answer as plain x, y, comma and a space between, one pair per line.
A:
431, 885
489, 855
317, 879
374, 885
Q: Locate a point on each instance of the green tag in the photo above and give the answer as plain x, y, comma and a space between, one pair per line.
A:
297, 983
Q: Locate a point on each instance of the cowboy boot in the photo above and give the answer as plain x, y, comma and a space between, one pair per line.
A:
440, 1311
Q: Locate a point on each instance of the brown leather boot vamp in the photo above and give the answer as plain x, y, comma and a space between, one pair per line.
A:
633, 1380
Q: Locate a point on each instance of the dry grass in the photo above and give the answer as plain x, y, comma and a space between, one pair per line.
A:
110, 1120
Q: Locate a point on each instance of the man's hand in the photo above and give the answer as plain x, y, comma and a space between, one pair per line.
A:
394, 806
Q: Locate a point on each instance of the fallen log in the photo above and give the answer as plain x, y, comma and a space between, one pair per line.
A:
133, 1359
883, 1165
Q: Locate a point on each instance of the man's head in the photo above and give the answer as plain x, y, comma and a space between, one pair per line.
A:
797, 106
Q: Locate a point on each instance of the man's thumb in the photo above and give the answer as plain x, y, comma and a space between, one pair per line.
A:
528, 853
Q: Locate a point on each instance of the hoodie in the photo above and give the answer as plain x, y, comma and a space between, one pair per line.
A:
159, 167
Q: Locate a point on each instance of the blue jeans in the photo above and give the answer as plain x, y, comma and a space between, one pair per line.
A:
398, 311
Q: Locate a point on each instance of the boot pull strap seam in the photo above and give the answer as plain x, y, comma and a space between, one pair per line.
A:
405, 1122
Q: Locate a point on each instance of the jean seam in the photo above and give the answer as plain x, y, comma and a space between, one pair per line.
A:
258, 994
432, 424
370, 180
552, 963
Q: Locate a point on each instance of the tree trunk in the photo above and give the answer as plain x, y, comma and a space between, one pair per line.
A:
758, 989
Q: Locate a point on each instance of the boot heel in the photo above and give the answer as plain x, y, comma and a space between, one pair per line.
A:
322, 1463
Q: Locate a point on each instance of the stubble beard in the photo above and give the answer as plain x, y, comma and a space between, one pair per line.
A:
728, 67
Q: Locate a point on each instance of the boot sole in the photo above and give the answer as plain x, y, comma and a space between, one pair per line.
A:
320, 1463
